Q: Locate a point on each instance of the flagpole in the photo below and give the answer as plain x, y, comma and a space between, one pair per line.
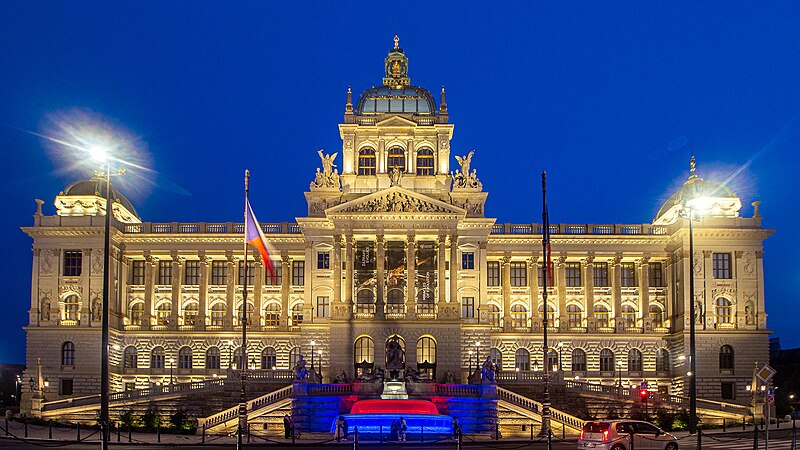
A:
243, 322
545, 431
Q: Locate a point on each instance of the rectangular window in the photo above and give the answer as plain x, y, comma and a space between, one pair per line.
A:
192, 273
251, 273
467, 307
656, 274
628, 274
601, 275
467, 260
219, 272
323, 306
298, 273
519, 274
130, 385
573, 271
165, 272
274, 280
72, 263
728, 390
722, 265
323, 260
137, 272
493, 273
65, 386
551, 278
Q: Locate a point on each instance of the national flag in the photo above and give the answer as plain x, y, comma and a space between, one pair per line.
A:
255, 237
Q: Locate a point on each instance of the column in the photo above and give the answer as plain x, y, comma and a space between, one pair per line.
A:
455, 264
85, 279
381, 162
348, 272
411, 283
411, 160
616, 289
380, 313
670, 303
286, 278
233, 278
336, 260
588, 282
481, 260
561, 275
177, 276
533, 282
441, 267
205, 268
760, 312
644, 293
506, 268
705, 286
121, 272
740, 313
308, 283
149, 288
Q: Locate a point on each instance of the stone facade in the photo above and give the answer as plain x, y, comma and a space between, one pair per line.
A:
398, 244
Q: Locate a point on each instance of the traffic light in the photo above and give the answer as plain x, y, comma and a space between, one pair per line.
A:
644, 394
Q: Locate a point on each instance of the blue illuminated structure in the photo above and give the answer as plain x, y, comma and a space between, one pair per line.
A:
381, 423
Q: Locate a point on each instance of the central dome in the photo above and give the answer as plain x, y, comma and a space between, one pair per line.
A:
388, 99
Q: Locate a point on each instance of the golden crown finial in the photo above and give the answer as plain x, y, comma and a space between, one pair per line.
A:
396, 42
692, 165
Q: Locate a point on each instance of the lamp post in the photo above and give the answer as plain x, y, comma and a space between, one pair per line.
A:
171, 365
477, 355
692, 336
619, 375
230, 353
469, 358
18, 389
312, 360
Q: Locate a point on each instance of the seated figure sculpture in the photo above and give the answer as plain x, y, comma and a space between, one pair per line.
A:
487, 370
300, 371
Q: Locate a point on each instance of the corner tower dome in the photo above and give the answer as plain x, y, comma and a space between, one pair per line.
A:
396, 96
711, 198
88, 198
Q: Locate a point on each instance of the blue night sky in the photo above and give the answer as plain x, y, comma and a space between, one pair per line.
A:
609, 98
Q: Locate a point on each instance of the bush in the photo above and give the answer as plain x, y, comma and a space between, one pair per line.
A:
665, 419
182, 423
127, 418
151, 419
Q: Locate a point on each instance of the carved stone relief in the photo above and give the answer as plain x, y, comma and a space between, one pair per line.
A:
44, 304
97, 262
396, 202
46, 262
698, 264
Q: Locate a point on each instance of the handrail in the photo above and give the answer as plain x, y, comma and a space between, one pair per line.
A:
232, 412
135, 394
537, 407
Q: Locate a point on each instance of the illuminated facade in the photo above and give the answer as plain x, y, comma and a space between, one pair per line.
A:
395, 243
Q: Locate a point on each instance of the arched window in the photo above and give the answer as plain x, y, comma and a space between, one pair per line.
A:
237, 358
601, 314
130, 358
726, 357
212, 358
519, 316
634, 360
426, 356
522, 359
272, 315
163, 311
136, 314
190, 312
157, 358
494, 316
394, 301
218, 314
551, 315
425, 162
269, 359
662, 360
497, 358
68, 354
723, 310
578, 360
294, 356
72, 308
552, 360
185, 358
365, 302
366, 161
606, 360
297, 314
574, 316
395, 159
363, 355
629, 316
238, 319
657, 316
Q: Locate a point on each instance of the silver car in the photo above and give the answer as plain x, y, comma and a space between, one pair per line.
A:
617, 435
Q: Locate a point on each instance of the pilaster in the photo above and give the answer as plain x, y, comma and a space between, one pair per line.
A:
286, 278
561, 273
177, 277
202, 297
411, 284
455, 265
588, 283
336, 260
644, 292
230, 297
505, 264
616, 288
380, 313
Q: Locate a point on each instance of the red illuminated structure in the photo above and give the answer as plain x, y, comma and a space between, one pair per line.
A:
394, 407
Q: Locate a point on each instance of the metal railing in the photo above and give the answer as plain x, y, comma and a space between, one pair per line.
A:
557, 415
252, 405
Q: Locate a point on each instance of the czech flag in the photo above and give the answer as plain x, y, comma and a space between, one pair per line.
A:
255, 237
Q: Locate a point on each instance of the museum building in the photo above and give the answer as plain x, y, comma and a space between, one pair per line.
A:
395, 244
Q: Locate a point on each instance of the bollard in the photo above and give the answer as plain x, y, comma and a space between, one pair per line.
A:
422, 430
26, 429
158, 431
203, 439
355, 438
699, 439
129, 432
78, 427
755, 438
744, 424
293, 435
497, 431
49, 429
724, 425
381, 436
563, 431
549, 438
633, 441
6, 426
794, 435
119, 430
777, 422
248, 432
531, 431
458, 447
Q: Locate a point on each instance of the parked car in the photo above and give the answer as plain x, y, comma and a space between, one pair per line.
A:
617, 435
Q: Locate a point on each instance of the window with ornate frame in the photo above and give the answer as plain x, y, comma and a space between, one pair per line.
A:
366, 161
662, 360
395, 159
185, 358
213, 358
519, 316
219, 273
606, 360
73, 261
164, 273
272, 314
573, 273
68, 354
363, 355
578, 360
519, 274
657, 316
629, 316
426, 356
522, 359
136, 313
425, 162
601, 274
157, 358
494, 316
72, 308
191, 273
601, 313
574, 316
721, 263
269, 359
493, 273
628, 274
130, 357
634, 360
723, 309
218, 314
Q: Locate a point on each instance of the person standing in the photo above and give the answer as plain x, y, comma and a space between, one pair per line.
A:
287, 426
340, 429
403, 429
